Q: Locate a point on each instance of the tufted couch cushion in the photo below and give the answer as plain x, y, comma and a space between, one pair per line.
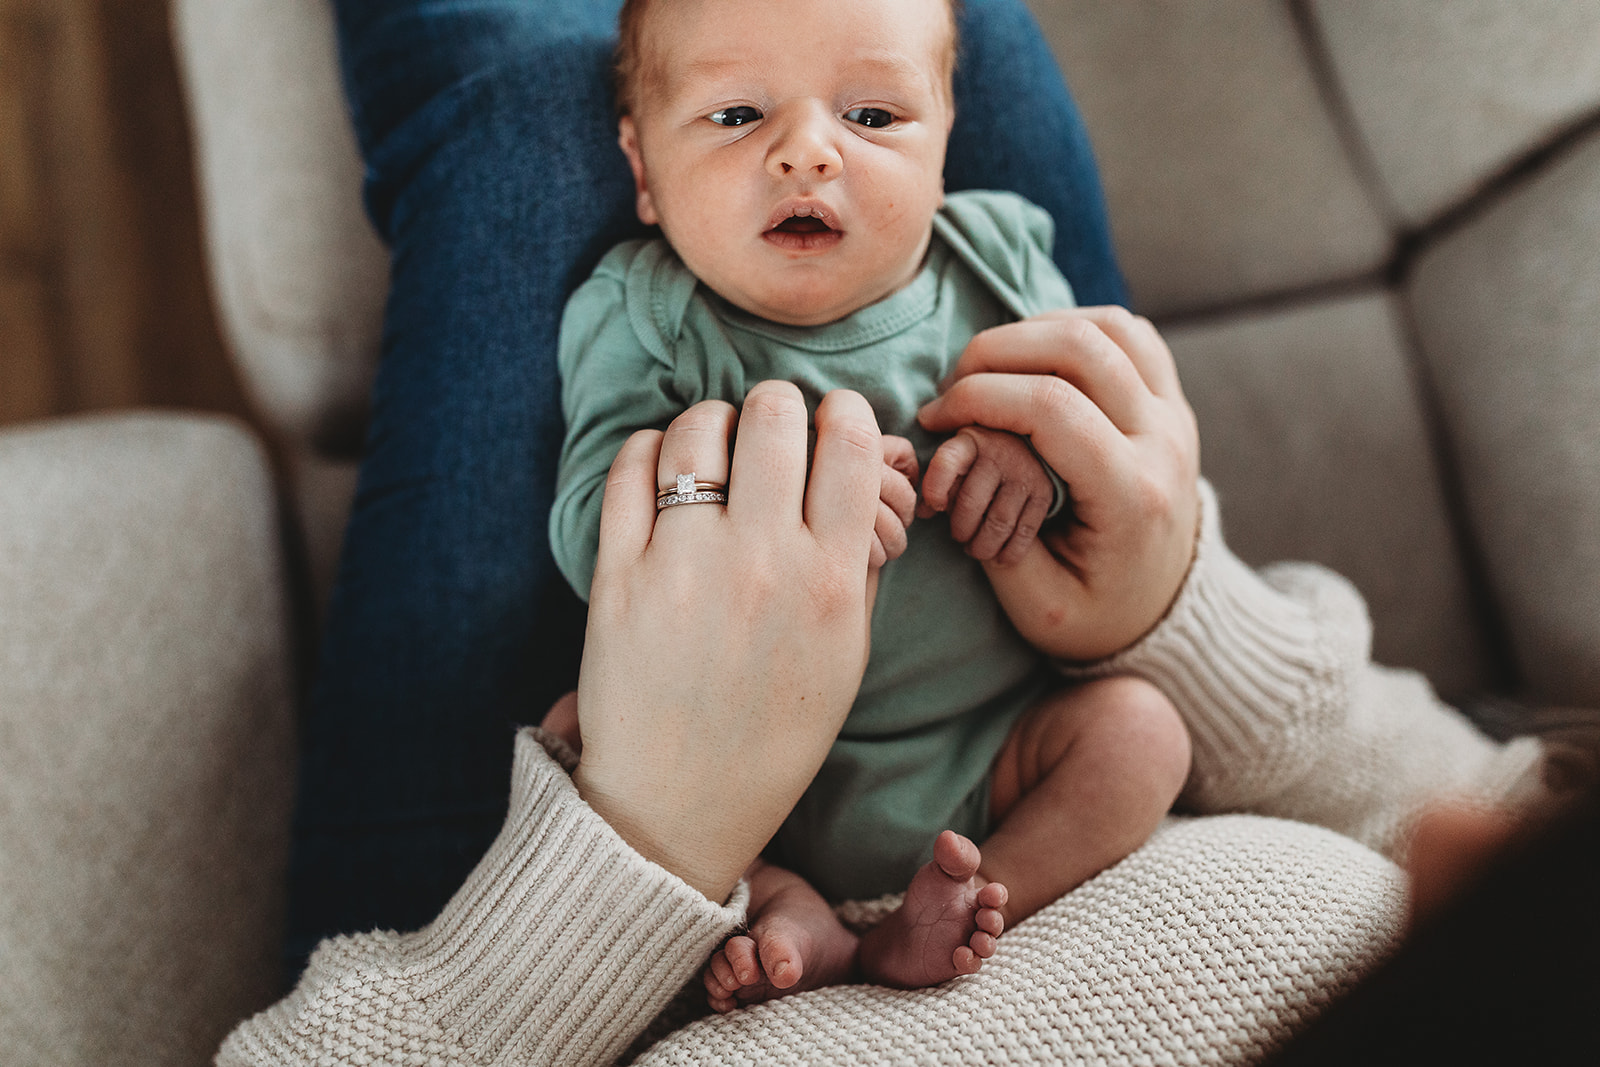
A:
298, 274
1225, 173
145, 722
1443, 96
1507, 311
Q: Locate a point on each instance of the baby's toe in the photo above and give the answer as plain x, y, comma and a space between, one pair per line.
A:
720, 973
993, 895
982, 945
990, 921
741, 954
780, 956
965, 960
956, 855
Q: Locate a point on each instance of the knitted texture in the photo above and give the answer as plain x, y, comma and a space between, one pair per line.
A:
1212, 944
1288, 716
558, 948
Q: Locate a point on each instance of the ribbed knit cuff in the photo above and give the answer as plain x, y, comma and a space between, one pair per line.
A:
564, 942
1242, 662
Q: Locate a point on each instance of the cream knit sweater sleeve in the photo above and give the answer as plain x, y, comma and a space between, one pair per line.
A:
1287, 714
1211, 944
560, 947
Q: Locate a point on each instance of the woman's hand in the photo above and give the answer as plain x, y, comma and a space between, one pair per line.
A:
726, 643
1097, 392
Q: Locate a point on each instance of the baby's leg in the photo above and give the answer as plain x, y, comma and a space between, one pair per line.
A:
795, 943
1082, 781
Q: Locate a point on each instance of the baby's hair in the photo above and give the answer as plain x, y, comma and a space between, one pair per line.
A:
629, 62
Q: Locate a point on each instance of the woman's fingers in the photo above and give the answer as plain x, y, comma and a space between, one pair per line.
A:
1144, 345
846, 474
756, 597
768, 480
628, 513
1067, 429
1072, 346
697, 443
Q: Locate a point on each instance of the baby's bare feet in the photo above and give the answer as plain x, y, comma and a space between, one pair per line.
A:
945, 927
789, 949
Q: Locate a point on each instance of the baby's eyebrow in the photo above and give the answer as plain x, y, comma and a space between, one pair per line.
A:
891, 64
714, 68
867, 66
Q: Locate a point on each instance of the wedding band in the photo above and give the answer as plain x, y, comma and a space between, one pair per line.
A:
689, 491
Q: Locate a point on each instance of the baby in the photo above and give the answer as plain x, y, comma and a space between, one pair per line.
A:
792, 152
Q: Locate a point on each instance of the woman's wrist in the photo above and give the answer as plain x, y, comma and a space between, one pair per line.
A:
656, 824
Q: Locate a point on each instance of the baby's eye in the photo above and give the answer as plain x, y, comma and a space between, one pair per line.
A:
875, 117
734, 116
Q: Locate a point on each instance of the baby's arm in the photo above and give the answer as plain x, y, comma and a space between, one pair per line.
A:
996, 490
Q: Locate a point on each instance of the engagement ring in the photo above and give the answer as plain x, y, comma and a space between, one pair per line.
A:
689, 491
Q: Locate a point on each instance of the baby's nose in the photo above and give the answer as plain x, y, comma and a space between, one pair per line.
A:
806, 145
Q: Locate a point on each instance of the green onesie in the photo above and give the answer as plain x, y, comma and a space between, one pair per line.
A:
642, 340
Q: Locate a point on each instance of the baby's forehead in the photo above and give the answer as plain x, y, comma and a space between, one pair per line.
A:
669, 44
863, 64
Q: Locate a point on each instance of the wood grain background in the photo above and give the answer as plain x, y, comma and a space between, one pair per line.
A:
103, 294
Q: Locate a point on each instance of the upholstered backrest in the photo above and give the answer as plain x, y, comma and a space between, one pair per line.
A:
1371, 230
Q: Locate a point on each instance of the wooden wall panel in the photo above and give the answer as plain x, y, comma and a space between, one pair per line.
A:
28, 358
27, 373
22, 48
104, 289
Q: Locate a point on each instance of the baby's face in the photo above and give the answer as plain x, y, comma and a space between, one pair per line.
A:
792, 151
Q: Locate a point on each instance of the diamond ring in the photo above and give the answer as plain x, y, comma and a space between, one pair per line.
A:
689, 491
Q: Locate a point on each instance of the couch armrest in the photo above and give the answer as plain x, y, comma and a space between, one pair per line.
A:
145, 738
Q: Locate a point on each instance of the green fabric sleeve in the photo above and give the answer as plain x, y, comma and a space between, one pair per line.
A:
611, 386
1005, 241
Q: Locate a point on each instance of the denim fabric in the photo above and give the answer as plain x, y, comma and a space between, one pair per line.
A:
494, 176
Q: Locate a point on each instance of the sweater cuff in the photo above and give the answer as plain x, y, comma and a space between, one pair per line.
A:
1238, 658
564, 942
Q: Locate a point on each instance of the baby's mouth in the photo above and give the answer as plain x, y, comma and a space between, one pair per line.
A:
802, 227
803, 224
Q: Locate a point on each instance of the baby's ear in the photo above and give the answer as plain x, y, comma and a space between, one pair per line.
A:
628, 138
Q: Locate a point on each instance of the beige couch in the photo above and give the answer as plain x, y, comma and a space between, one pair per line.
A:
1370, 228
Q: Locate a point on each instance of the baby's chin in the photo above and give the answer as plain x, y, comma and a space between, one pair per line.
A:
799, 313
802, 306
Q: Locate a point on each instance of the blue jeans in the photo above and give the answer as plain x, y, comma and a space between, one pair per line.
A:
493, 175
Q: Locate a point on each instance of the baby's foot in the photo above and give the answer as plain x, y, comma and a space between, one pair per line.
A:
784, 953
945, 927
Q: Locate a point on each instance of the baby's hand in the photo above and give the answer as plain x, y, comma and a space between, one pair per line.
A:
995, 488
897, 501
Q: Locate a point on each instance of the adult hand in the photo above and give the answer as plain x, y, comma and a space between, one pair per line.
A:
1097, 392
726, 644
